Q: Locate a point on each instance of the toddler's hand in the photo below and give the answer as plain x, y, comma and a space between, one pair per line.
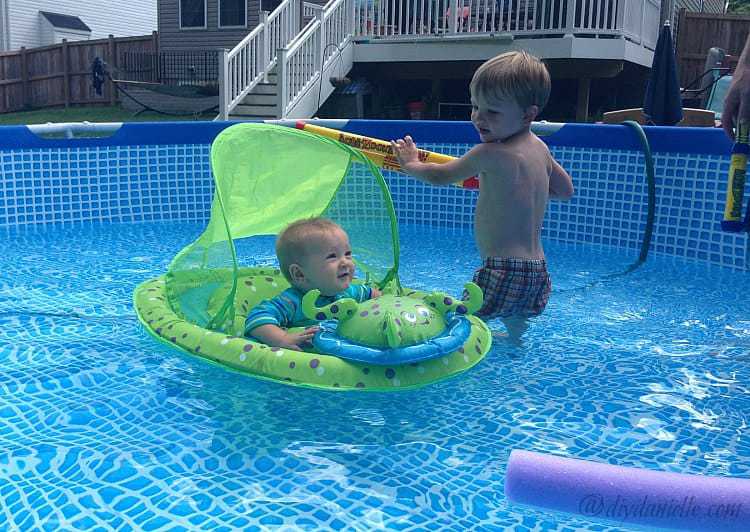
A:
405, 151
294, 340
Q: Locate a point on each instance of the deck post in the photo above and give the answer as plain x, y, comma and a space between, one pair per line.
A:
265, 44
321, 48
570, 19
453, 22
282, 87
223, 84
352, 29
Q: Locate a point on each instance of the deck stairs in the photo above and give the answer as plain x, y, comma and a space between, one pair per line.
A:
261, 103
251, 74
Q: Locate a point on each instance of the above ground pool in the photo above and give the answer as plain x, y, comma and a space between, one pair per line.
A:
102, 427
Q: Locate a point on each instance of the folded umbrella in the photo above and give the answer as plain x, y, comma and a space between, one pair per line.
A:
662, 104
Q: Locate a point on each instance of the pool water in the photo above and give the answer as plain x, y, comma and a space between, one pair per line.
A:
104, 426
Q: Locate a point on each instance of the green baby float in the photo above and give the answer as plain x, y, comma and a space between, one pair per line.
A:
265, 177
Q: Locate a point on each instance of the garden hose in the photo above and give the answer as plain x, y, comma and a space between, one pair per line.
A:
650, 215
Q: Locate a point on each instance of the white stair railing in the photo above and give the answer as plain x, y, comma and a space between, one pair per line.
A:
302, 66
243, 67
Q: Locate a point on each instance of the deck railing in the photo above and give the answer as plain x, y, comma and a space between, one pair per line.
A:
303, 58
418, 18
302, 66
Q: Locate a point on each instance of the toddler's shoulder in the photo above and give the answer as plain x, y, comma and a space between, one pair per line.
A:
496, 157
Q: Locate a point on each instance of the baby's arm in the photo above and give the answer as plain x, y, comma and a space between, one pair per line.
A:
361, 292
276, 336
436, 174
266, 322
560, 182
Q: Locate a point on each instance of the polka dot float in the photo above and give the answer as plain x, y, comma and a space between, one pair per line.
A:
323, 371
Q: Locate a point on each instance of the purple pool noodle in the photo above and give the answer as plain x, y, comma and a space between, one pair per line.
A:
628, 494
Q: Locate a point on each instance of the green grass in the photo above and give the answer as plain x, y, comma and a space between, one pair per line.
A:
90, 114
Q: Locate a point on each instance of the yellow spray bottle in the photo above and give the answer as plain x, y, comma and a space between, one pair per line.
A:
736, 184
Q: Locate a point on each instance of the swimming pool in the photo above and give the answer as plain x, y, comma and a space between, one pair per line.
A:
102, 426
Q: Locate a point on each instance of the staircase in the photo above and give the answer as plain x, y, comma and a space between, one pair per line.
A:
278, 72
261, 103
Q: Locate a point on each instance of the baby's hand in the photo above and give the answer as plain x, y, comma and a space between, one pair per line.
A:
405, 151
294, 340
374, 292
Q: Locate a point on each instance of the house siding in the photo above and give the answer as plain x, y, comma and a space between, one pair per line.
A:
112, 17
171, 37
4, 37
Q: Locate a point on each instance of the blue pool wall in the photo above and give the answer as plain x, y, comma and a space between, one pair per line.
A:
161, 172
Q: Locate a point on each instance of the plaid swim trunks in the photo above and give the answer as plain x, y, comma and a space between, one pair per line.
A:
513, 287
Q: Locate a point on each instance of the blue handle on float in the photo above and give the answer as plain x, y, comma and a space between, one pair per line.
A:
736, 183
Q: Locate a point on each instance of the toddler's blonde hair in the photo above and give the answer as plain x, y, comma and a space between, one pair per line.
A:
518, 75
298, 238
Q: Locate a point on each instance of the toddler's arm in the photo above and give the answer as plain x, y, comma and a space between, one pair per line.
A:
560, 182
436, 174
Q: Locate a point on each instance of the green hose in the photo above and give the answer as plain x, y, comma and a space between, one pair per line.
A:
651, 182
650, 216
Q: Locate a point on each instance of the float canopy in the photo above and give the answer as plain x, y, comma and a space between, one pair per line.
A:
266, 177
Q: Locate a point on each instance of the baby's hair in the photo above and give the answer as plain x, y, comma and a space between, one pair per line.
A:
294, 241
518, 75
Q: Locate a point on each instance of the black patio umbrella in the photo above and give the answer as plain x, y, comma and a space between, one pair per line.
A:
662, 104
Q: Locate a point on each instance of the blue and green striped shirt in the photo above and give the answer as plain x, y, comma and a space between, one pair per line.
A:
285, 310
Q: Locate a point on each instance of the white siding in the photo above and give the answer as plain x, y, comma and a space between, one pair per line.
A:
4, 37
104, 17
48, 34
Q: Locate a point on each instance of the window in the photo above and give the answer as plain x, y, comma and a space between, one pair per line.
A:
192, 14
232, 13
269, 5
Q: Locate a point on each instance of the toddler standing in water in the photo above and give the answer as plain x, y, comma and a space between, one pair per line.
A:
517, 177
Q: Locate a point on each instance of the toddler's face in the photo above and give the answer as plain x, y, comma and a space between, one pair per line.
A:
496, 119
328, 264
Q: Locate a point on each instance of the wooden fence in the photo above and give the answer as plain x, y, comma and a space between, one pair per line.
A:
698, 32
60, 74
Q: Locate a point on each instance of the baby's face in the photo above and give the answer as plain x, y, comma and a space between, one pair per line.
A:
328, 264
496, 119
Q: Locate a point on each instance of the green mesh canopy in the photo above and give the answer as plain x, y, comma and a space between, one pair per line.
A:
266, 177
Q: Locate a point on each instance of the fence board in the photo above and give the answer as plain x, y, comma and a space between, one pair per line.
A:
60, 74
698, 32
